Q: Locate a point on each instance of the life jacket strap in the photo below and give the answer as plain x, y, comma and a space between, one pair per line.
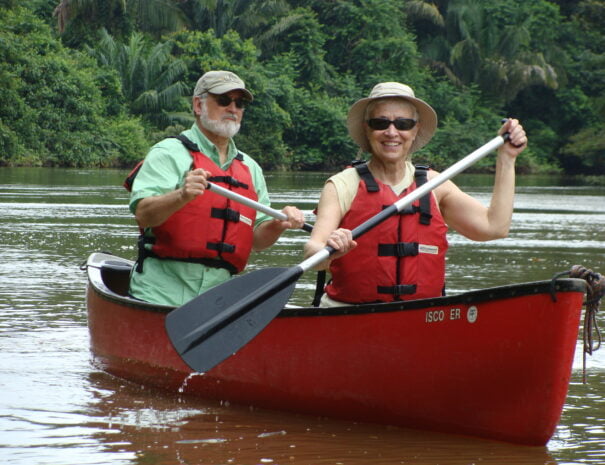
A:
397, 289
421, 176
188, 143
399, 249
221, 247
228, 180
366, 176
227, 214
320, 283
144, 252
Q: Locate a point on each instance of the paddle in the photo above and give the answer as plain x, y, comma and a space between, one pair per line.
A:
216, 324
252, 204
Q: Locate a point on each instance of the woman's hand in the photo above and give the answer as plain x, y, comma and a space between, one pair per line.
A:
517, 141
342, 241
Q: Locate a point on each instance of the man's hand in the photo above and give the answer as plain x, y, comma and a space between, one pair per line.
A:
295, 220
195, 184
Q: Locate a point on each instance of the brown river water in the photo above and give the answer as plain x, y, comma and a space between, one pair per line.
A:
57, 408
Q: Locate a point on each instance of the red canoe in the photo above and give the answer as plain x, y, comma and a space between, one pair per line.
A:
492, 363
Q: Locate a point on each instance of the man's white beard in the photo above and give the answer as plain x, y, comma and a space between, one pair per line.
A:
224, 128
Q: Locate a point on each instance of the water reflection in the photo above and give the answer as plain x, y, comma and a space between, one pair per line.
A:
167, 430
582, 426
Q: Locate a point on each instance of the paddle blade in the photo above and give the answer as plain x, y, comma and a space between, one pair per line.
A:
216, 324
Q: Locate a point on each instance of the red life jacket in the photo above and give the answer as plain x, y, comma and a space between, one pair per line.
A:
211, 229
403, 258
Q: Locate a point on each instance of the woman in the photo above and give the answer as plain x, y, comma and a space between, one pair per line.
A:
403, 258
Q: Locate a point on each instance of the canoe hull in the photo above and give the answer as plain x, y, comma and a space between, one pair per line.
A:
497, 368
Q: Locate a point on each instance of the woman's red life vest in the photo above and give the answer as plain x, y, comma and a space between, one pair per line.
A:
210, 229
403, 258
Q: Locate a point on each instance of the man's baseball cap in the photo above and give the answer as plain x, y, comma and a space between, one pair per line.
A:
220, 82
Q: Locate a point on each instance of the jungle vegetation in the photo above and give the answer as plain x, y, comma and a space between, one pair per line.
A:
94, 83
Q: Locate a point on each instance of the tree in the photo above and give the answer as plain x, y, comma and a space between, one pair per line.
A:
248, 17
308, 60
305, 41
79, 20
585, 153
53, 112
369, 41
150, 76
489, 45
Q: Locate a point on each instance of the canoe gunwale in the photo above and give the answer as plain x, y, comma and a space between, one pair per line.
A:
97, 261
477, 296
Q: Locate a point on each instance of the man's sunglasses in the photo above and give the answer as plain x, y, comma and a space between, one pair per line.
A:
224, 100
401, 124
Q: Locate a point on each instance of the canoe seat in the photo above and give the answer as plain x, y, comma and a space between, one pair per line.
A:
116, 276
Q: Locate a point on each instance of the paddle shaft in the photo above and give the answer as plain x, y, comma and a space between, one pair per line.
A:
252, 204
442, 177
244, 311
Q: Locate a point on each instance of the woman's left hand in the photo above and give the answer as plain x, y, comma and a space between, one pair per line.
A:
517, 141
342, 241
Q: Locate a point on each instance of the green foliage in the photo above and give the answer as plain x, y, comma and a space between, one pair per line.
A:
491, 45
250, 18
79, 20
544, 140
8, 3
264, 120
464, 125
10, 149
126, 142
53, 112
306, 42
202, 51
585, 150
369, 40
262, 135
149, 75
319, 136
306, 61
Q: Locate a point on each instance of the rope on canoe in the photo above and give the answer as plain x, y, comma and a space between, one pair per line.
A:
595, 285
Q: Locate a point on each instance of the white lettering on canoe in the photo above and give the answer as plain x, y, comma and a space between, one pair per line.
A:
434, 316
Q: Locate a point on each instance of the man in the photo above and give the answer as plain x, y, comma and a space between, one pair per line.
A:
194, 239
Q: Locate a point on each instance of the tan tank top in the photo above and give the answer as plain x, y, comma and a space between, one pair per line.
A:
347, 181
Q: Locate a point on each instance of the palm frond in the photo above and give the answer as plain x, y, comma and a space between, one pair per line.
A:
266, 39
428, 11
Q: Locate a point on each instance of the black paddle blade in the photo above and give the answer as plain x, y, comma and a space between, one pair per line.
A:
215, 325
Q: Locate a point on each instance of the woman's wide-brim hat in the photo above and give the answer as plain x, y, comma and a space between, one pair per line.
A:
426, 115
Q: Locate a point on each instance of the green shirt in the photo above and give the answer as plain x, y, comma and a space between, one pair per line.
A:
171, 282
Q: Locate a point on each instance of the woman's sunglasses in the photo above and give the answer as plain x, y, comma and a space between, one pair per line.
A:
224, 100
401, 124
